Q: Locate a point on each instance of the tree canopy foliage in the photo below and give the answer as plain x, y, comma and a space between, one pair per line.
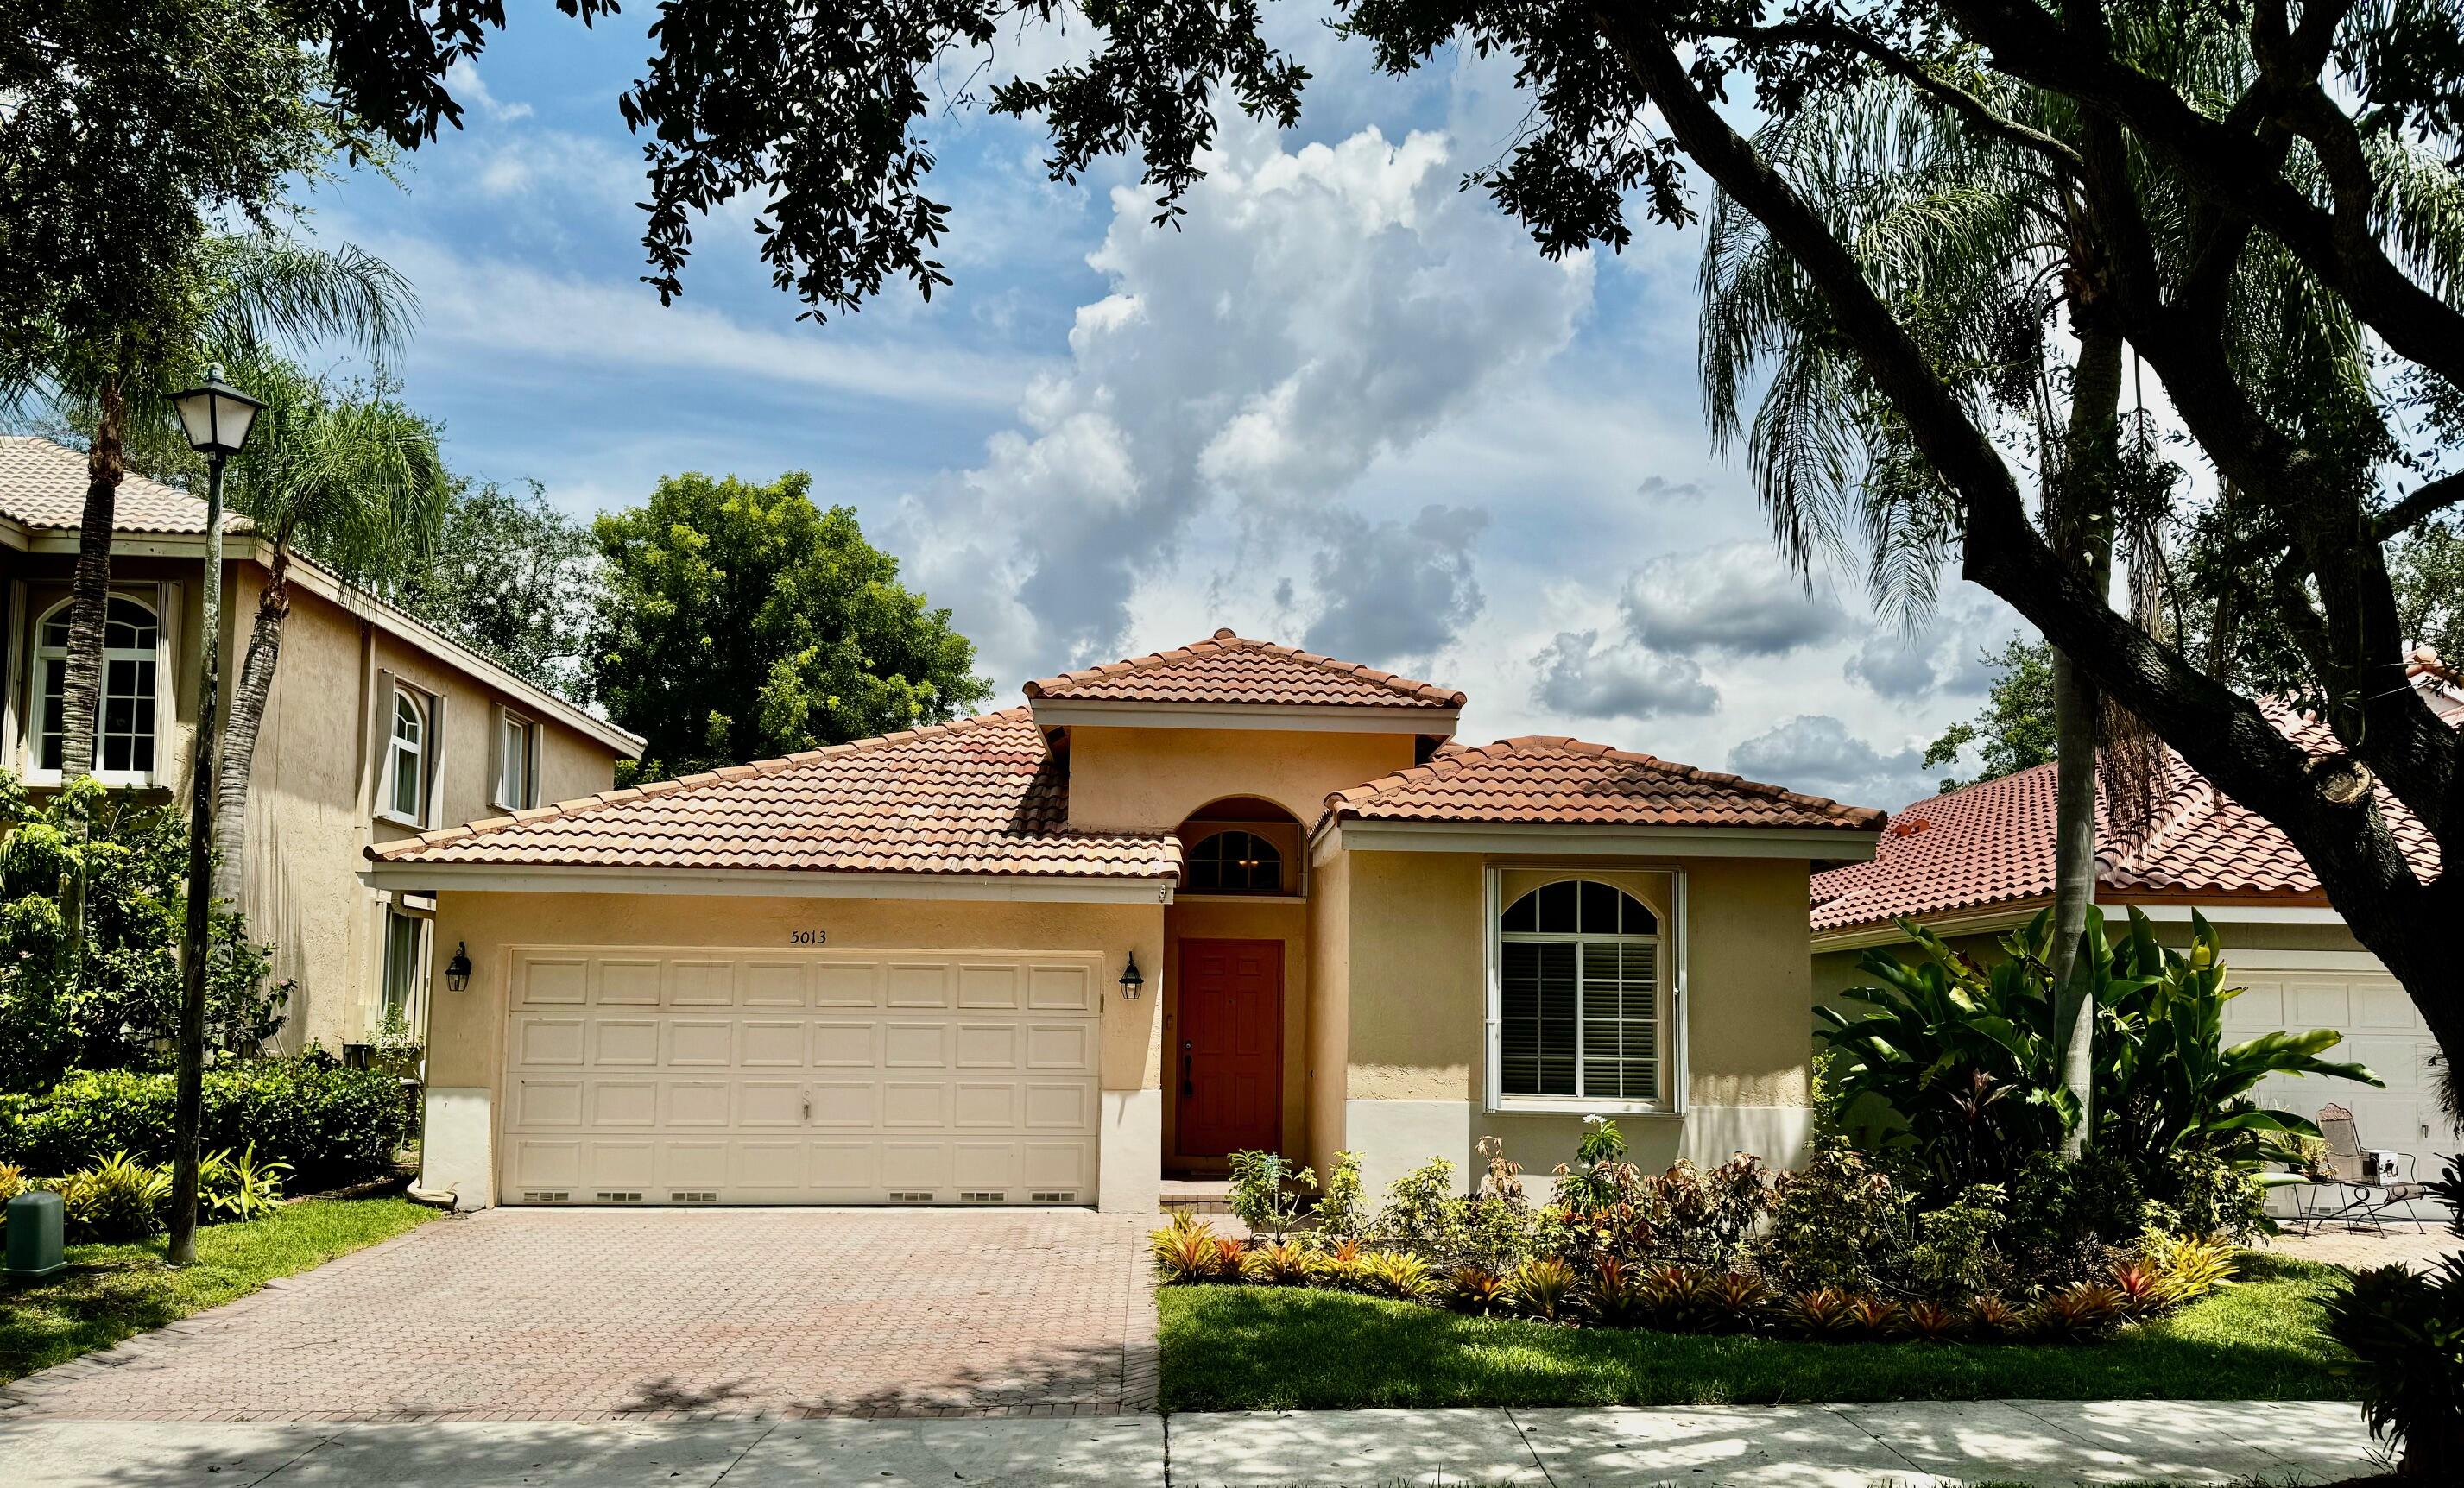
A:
2014, 730
510, 576
739, 622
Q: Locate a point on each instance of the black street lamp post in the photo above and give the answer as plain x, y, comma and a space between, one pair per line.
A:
216, 418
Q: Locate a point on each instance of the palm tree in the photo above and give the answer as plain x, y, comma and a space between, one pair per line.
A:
248, 294
357, 480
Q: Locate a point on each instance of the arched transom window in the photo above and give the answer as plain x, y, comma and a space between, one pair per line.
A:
124, 734
1235, 862
1579, 994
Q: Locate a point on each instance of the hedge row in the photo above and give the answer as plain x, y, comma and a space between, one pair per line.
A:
334, 1126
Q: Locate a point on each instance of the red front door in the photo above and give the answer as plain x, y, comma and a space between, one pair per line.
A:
1231, 1053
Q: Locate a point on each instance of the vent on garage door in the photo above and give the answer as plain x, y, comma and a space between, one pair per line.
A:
692, 1196
1057, 1197
545, 1197
909, 1197
981, 1197
612, 1197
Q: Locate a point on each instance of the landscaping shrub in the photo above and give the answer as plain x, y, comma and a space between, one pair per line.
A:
1954, 1076
2407, 1334
1266, 1193
1422, 1210
117, 1199
1341, 1210
330, 1124
109, 999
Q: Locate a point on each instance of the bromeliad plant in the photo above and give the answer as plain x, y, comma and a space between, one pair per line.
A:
1962, 1061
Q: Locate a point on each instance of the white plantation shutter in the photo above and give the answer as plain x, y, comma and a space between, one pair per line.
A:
380, 741
433, 812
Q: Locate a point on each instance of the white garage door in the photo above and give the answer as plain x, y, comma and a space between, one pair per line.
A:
2382, 1028
650, 1076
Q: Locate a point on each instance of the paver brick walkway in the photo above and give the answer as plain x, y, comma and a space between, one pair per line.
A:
535, 1314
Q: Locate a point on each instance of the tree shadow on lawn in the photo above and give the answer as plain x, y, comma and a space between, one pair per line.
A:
1263, 1349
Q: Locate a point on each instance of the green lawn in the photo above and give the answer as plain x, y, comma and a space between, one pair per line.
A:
1271, 1349
110, 1292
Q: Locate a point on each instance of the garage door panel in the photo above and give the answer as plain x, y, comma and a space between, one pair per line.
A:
764, 1076
984, 1105
915, 1046
700, 1043
624, 1042
915, 1103
765, 1103
625, 981
770, 1043
625, 1102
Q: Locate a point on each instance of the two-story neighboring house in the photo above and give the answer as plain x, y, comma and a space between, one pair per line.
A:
378, 727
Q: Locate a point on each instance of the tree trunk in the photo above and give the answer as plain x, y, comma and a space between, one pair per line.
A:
2082, 523
239, 735
90, 597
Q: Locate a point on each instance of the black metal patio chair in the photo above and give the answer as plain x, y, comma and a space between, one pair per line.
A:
2359, 1194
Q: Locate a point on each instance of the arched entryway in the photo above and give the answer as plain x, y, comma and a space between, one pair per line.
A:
1236, 1003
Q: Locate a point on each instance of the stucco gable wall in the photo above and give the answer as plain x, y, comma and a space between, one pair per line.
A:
1151, 779
1416, 1023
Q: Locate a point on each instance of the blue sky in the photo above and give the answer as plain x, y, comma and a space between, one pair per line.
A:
1346, 405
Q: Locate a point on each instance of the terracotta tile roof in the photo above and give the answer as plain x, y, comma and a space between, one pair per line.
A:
1228, 669
42, 484
977, 796
1551, 779
1992, 844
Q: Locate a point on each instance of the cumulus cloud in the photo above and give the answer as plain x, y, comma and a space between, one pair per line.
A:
1817, 754
1322, 308
1737, 599
1946, 660
1575, 676
1893, 666
1397, 590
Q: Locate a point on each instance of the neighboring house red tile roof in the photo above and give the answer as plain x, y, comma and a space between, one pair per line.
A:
980, 795
1228, 669
1993, 844
1552, 779
42, 484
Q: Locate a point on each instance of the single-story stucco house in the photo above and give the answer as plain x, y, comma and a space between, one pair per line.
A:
1974, 864
900, 970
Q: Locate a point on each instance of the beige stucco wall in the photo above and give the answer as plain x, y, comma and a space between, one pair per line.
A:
1152, 779
1330, 1026
1417, 999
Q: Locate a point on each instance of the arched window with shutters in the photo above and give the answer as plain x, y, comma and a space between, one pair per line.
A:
1579, 983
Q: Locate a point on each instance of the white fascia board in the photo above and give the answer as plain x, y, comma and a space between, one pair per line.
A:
780, 883
1288, 718
1858, 937
249, 547
1604, 841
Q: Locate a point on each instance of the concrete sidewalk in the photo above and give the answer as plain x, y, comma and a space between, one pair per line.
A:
1910, 1444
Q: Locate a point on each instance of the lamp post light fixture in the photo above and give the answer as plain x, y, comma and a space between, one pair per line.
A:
216, 418
1132, 980
457, 971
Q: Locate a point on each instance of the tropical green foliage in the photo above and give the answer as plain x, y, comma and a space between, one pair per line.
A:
510, 576
737, 621
2405, 1330
111, 1001
2014, 730
1268, 1192
328, 1125
1956, 1065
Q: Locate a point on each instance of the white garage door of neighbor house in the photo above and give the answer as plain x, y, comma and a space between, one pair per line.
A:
2351, 992
652, 1076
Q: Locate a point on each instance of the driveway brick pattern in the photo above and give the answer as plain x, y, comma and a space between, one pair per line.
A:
611, 1314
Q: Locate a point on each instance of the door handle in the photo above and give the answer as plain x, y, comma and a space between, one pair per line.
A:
808, 1108
1188, 1086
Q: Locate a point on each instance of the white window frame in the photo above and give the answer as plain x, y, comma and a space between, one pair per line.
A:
414, 1000
421, 750
1671, 960
517, 745
37, 705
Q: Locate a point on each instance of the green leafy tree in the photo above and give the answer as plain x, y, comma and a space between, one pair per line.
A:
511, 577
2014, 730
739, 622
122, 1011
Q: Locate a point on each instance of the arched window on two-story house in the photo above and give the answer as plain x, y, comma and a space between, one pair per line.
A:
1233, 861
125, 729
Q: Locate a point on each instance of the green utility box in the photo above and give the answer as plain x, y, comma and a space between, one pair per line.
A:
36, 1222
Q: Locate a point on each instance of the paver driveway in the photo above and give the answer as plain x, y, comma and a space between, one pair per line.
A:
661, 1314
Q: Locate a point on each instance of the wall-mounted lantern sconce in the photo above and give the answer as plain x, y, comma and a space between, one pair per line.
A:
457, 971
1131, 981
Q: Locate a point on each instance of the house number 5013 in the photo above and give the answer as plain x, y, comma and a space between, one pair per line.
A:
808, 938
